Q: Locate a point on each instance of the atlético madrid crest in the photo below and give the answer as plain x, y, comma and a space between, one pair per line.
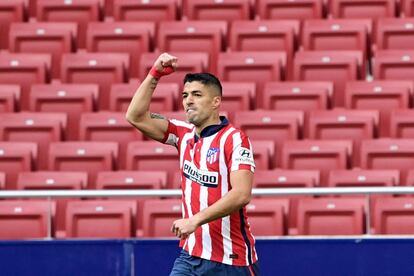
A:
212, 155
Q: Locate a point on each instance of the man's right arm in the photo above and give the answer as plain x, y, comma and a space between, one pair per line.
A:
151, 125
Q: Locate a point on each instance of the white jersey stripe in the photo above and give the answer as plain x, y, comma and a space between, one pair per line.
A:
225, 221
206, 240
187, 192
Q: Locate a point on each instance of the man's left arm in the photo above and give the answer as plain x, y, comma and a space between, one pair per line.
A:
235, 199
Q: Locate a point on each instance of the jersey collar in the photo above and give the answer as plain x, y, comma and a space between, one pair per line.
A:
212, 129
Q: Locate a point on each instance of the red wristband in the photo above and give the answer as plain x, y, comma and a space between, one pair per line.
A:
158, 74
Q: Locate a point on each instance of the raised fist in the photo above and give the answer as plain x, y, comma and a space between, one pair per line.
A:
164, 65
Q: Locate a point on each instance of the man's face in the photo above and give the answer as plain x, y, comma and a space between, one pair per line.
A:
199, 101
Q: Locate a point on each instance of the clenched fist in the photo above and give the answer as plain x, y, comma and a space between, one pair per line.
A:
164, 65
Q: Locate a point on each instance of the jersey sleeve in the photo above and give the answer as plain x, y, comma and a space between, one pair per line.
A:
240, 152
175, 131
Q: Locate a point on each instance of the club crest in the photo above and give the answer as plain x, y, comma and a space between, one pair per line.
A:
212, 155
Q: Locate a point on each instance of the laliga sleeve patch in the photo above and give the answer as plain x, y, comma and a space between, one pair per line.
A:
243, 156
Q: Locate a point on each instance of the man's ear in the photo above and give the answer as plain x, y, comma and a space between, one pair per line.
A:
216, 102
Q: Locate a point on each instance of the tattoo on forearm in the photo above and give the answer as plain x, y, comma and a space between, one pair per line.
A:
157, 116
154, 83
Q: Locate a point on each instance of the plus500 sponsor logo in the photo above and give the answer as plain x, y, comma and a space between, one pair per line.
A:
204, 178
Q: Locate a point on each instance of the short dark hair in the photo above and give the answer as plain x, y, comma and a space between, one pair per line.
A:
206, 79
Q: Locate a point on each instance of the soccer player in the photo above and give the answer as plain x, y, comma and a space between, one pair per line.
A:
216, 163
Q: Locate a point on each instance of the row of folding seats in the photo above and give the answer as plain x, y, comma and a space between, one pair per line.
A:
210, 10
213, 37
93, 157
150, 179
106, 69
114, 218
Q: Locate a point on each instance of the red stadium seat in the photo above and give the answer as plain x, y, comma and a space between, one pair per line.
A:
72, 99
109, 127
340, 124
265, 35
151, 155
322, 155
193, 36
103, 69
90, 157
331, 216
394, 33
238, 96
336, 66
373, 9
165, 97
9, 98
300, 95
122, 37
52, 180
79, 11
154, 10
24, 70
16, 157
159, 216
394, 65
277, 126
337, 34
267, 217
407, 8
189, 62
280, 178
100, 219
264, 154
409, 180
394, 216
258, 67
380, 95
25, 219
49, 38
280, 9
10, 11
133, 180
218, 10
402, 123
40, 128
363, 178
386, 154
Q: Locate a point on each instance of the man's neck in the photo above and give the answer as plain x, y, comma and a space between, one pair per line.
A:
214, 120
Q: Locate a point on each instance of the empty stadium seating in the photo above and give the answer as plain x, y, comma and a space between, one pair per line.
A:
9, 98
267, 217
373, 9
280, 178
103, 69
380, 95
279, 9
90, 157
394, 216
81, 12
154, 10
16, 157
25, 219
109, 127
217, 10
165, 99
238, 96
100, 219
394, 65
44, 37
363, 178
71, 99
41, 128
264, 154
10, 11
159, 216
300, 95
401, 123
122, 37
333, 216
24, 70
394, 33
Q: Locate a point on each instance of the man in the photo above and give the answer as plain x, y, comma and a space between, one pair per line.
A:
217, 166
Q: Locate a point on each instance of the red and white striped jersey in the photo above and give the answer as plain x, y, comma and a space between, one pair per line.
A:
206, 163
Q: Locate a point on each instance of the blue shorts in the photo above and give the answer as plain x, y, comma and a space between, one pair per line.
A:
189, 265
